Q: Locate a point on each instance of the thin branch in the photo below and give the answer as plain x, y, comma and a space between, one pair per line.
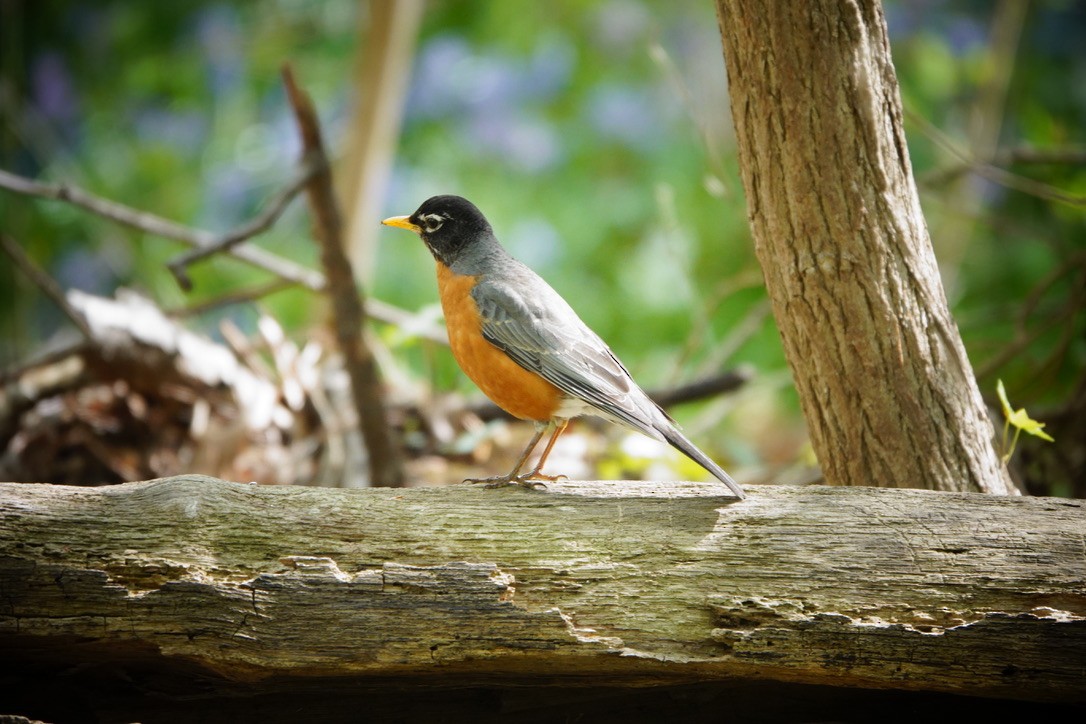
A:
390, 314
739, 334
703, 389
988, 110
1072, 155
257, 225
1026, 335
159, 226
279, 266
1069, 156
244, 349
150, 223
348, 310
674, 76
992, 173
45, 283
125, 215
237, 297
703, 320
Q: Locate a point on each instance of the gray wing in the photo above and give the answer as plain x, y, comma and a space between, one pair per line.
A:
537, 329
542, 333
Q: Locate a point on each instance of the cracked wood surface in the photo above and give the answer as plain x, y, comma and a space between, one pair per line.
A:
628, 582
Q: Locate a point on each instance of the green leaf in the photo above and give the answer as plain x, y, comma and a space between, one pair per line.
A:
1020, 418
1002, 392
1034, 428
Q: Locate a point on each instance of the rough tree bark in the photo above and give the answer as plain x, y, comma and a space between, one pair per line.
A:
886, 387
626, 583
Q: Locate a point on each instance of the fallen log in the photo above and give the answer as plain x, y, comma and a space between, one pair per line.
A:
588, 583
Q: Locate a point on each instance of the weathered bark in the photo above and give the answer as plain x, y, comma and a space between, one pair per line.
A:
884, 380
628, 583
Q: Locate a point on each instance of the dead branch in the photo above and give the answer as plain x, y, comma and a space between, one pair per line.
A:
240, 296
994, 174
348, 308
159, 226
1030, 326
633, 582
1069, 156
44, 282
260, 223
284, 269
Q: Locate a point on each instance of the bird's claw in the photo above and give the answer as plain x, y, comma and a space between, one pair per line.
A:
523, 482
529, 481
536, 475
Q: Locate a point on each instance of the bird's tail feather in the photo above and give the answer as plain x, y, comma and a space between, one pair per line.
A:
678, 441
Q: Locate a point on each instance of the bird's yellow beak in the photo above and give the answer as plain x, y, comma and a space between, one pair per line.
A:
404, 222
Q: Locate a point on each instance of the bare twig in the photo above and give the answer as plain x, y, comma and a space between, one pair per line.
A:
1070, 156
674, 76
237, 297
159, 226
126, 215
738, 335
418, 327
703, 316
386, 465
237, 341
985, 119
285, 269
992, 173
280, 267
1075, 156
257, 225
988, 110
45, 283
702, 389
1026, 334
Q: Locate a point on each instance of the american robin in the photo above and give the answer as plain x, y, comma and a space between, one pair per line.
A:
524, 346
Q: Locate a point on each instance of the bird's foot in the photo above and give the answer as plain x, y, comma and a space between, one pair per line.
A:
531, 481
537, 475
503, 481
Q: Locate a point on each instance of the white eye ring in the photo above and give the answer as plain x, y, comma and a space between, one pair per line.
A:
432, 222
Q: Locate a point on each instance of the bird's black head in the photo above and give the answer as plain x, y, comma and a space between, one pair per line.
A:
447, 224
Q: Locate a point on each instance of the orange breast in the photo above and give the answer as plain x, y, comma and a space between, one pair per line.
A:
519, 392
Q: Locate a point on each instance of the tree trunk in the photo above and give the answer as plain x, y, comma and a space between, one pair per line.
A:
629, 583
885, 384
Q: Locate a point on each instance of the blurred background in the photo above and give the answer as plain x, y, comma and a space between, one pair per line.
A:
596, 137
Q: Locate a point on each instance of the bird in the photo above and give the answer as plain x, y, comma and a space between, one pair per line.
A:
524, 346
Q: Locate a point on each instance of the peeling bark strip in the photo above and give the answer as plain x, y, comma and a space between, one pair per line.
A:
638, 582
886, 387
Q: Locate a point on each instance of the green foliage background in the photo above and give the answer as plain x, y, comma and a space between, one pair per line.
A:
594, 135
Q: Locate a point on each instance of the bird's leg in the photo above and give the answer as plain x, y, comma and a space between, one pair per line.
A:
536, 474
513, 478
